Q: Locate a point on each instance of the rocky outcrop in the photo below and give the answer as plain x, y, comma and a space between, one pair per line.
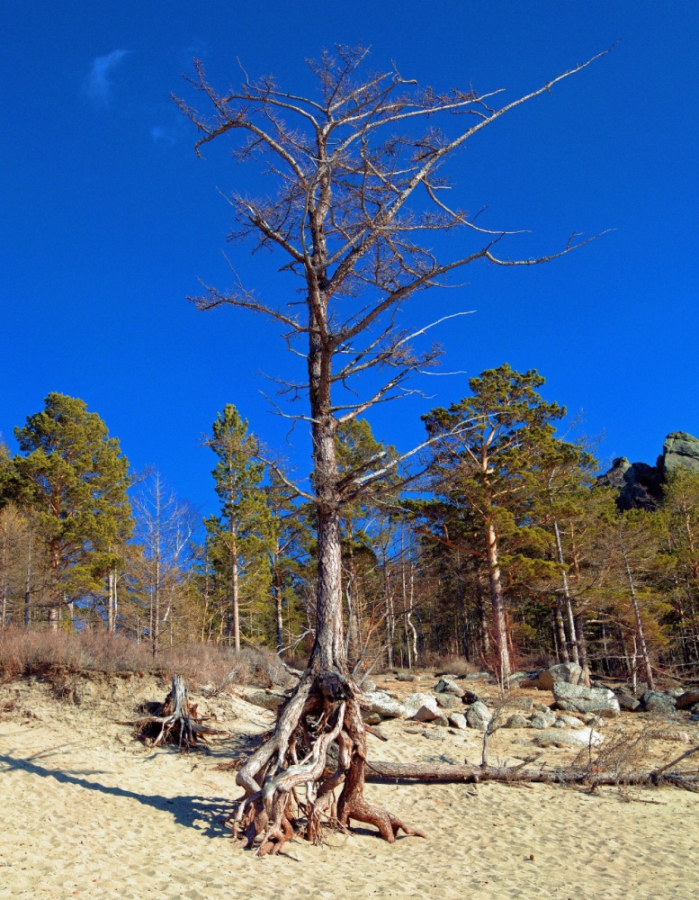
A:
639, 485
680, 451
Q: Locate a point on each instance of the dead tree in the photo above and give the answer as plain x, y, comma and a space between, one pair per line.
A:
174, 721
359, 200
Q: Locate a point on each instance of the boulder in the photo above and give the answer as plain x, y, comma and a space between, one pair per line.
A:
541, 720
371, 718
582, 737
479, 716
388, 708
448, 701
437, 735
413, 702
687, 700
441, 720
470, 697
577, 698
368, 686
572, 721
478, 676
569, 672
427, 713
406, 676
517, 721
627, 702
658, 703
680, 451
447, 685
458, 720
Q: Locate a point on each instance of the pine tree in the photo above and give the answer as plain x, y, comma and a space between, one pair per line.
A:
486, 463
75, 478
241, 535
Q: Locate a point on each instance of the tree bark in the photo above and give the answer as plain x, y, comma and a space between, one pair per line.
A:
497, 599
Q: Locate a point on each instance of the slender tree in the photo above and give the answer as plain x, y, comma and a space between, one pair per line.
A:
355, 210
241, 535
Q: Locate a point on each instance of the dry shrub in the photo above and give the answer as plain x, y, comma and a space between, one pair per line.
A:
450, 664
48, 653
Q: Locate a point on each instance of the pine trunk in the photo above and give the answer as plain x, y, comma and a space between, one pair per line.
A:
498, 605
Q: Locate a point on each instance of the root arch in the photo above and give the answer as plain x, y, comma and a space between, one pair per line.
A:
323, 713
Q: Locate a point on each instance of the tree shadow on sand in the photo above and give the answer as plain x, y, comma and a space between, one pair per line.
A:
204, 814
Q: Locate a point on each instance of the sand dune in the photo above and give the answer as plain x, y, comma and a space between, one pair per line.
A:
86, 811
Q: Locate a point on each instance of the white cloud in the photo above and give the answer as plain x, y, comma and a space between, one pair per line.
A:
98, 84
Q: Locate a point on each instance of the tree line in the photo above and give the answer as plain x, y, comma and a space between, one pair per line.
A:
497, 545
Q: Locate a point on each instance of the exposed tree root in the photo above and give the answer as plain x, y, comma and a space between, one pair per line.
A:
324, 712
175, 721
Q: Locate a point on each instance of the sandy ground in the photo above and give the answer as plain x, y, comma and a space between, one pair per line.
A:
87, 811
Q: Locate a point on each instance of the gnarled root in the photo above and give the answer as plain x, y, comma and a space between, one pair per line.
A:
176, 722
324, 712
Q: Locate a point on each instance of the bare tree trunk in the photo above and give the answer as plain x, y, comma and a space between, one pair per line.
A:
28, 584
235, 600
643, 647
582, 647
498, 604
278, 609
561, 634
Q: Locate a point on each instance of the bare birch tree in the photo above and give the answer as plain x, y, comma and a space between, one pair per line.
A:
360, 200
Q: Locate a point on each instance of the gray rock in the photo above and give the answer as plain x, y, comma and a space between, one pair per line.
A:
658, 703
559, 723
540, 720
524, 703
413, 702
476, 676
517, 721
580, 738
437, 735
631, 704
687, 700
441, 720
569, 672
458, 720
371, 718
267, 699
448, 701
368, 686
680, 451
447, 685
479, 716
388, 708
406, 676
542, 707
576, 698
570, 721
426, 713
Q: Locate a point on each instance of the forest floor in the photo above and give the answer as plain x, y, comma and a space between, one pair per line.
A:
89, 811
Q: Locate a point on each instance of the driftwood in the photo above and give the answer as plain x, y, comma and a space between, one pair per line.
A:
175, 721
592, 774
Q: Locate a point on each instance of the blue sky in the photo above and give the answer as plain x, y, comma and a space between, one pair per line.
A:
109, 219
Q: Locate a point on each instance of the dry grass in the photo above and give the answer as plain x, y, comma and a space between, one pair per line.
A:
208, 666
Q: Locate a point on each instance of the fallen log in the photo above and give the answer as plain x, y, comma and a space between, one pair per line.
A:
378, 771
